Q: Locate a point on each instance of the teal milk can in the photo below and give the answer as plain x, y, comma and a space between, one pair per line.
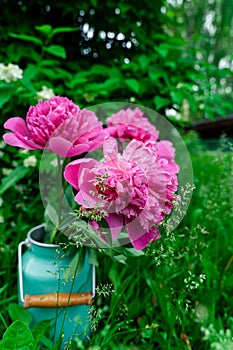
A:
45, 293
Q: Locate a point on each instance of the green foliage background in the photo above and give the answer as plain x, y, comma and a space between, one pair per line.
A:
168, 60
165, 58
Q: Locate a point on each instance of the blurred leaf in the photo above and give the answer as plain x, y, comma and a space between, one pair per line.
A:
26, 38
11, 179
170, 64
156, 74
133, 85
120, 258
41, 333
161, 102
144, 61
45, 28
31, 71
63, 30
27, 83
94, 3
56, 50
76, 265
17, 312
50, 62
93, 257
177, 97
51, 213
112, 84
133, 252
50, 73
17, 337
6, 93
99, 69
163, 51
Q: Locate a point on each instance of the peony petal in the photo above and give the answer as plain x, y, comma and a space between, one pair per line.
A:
165, 149
79, 149
110, 149
140, 237
21, 135
59, 146
17, 125
115, 223
95, 225
73, 170
85, 199
17, 141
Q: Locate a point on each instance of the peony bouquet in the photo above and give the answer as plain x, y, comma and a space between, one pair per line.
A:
118, 181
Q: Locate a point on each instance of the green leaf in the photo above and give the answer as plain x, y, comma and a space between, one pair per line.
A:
17, 337
41, 333
47, 342
63, 30
133, 85
112, 84
10, 180
76, 265
50, 63
51, 213
154, 75
161, 102
133, 252
177, 97
45, 28
170, 64
144, 61
56, 50
94, 3
26, 38
162, 51
120, 258
6, 92
27, 83
50, 73
31, 71
93, 257
17, 312
99, 69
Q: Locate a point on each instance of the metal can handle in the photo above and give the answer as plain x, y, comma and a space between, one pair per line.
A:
53, 299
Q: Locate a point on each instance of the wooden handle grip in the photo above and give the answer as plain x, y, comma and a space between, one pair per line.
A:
57, 300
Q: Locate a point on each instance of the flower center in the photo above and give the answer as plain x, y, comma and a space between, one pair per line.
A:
125, 190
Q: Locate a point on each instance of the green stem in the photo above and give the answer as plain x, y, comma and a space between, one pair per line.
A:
60, 193
53, 235
59, 182
3, 320
71, 290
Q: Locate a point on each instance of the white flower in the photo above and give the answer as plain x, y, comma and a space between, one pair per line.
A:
54, 162
30, 161
2, 143
45, 93
10, 73
23, 151
6, 171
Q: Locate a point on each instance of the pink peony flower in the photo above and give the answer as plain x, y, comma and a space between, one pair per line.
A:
130, 124
59, 125
132, 188
165, 155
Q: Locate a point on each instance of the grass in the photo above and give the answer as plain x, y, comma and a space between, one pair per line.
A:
177, 296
